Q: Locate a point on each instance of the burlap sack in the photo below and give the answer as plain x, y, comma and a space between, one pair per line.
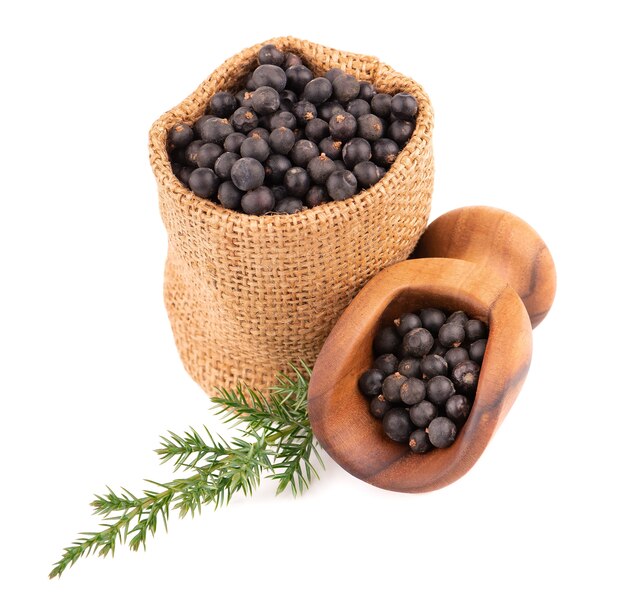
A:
246, 295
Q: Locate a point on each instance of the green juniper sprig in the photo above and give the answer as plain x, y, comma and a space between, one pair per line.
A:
275, 439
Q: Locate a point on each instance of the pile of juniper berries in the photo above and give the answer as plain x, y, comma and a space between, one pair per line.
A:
425, 376
291, 140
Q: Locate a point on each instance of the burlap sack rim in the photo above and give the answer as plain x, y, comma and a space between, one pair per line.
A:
162, 168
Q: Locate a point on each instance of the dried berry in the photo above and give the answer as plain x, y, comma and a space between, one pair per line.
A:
269, 54
291, 59
199, 123
378, 406
265, 100
454, 356
477, 351
451, 334
384, 152
224, 165
317, 90
409, 367
180, 135
279, 192
258, 201
419, 441
304, 112
406, 322
215, 130
400, 131
432, 319
356, 150
265, 121
391, 387
275, 168
297, 77
370, 127
333, 73
244, 98
404, 106
439, 389
341, 185
433, 365
177, 158
289, 205
282, 119
465, 377
328, 109
366, 90
191, 152
316, 196
282, 140
371, 381
387, 363
229, 195
458, 316
345, 87
270, 75
457, 409
331, 148
397, 425
381, 105
233, 142
412, 391
247, 174
287, 100
244, 119
358, 107
223, 104
441, 432
343, 126
297, 181
417, 342
386, 341
475, 330
183, 174
207, 155
260, 132
203, 182
302, 152
255, 147
438, 349
316, 129
423, 413
367, 173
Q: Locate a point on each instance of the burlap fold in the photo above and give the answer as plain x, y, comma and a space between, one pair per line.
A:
246, 295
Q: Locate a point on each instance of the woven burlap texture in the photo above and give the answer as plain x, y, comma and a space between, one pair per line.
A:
247, 295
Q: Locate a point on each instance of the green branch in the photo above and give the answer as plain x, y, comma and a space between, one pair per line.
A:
276, 439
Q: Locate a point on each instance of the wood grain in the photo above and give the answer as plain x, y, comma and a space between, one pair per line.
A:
506, 244
339, 413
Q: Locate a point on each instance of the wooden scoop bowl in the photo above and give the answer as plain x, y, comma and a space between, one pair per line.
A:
339, 413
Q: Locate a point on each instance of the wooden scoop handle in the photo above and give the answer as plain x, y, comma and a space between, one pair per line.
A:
500, 242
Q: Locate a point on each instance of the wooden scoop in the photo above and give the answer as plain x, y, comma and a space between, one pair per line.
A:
499, 244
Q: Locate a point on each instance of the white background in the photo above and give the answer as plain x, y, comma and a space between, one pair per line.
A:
530, 115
